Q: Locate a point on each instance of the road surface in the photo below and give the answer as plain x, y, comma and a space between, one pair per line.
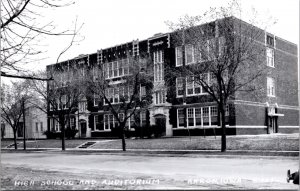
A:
53, 170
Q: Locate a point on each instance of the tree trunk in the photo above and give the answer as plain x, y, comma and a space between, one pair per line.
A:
63, 147
223, 127
15, 139
123, 137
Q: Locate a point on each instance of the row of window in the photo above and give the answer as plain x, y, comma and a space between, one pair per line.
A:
204, 51
120, 94
109, 121
57, 126
193, 86
116, 69
199, 116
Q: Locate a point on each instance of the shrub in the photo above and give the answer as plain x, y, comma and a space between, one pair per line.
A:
70, 133
50, 134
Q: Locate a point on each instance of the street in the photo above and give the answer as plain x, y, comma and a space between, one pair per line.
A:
109, 171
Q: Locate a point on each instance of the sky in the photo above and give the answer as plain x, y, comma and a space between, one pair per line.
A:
107, 23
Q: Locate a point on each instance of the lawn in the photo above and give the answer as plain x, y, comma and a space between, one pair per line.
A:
278, 142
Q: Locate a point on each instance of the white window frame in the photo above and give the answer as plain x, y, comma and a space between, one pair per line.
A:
186, 53
193, 116
178, 118
158, 66
41, 126
95, 97
270, 57
182, 86
160, 97
142, 91
271, 87
177, 50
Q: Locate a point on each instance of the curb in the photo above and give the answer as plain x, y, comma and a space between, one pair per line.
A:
158, 151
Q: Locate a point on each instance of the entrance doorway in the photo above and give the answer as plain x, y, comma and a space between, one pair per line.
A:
272, 125
82, 128
160, 122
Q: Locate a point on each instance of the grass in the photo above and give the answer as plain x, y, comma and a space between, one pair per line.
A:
279, 142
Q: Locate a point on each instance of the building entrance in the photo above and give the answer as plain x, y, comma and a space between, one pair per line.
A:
272, 125
160, 122
82, 128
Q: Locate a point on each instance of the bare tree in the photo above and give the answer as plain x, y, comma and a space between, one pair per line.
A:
224, 58
60, 96
13, 105
23, 28
128, 96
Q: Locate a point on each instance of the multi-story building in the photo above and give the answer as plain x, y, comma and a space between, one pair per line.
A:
179, 104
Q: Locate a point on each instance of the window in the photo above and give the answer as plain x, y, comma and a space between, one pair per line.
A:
143, 118
42, 128
116, 69
132, 121
180, 114
190, 86
178, 52
214, 111
116, 95
142, 91
204, 50
20, 129
270, 57
270, 41
158, 56
106, 122
111, 121
160, 97
50, 106
121, 116
82, 106
56, 125
51, 124
222, 46
205, 78
197, 87
214, 115
158, 66
205, 115
3, 129
179, 86
36, 127
227, 110
189, 54
72, 123
125, 66
96, 100
198, 116
97, 124
110, 70
190, 115
64, 101
123, 94
270, 87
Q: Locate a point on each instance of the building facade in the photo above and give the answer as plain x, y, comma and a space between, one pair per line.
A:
180, 106
36, 125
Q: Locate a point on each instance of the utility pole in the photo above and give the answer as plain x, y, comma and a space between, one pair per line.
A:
24, 122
